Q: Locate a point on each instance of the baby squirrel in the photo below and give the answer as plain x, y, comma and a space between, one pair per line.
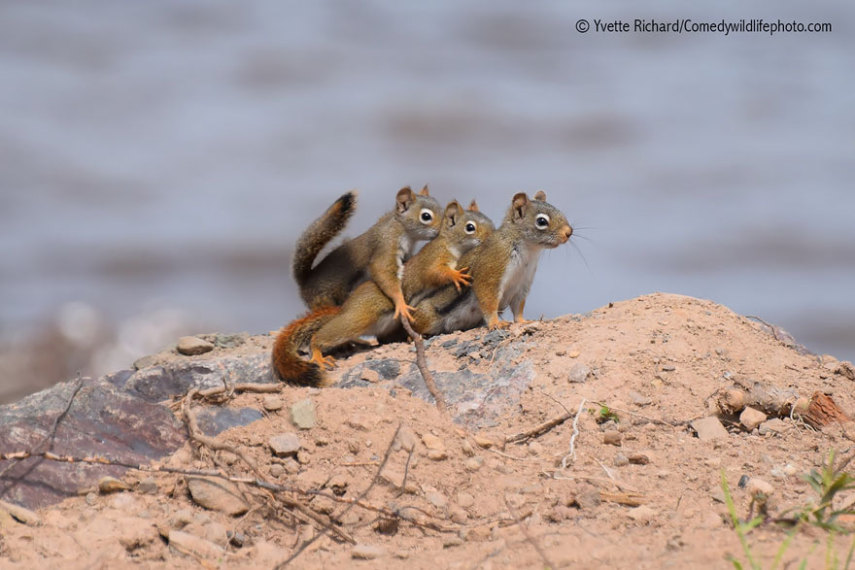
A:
368, 311
378, 254
502, 270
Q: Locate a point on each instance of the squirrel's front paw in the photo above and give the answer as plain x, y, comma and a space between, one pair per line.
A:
461, 278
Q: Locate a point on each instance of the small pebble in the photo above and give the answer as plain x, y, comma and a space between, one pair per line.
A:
473, 463
639, 459
612, 437
751, 418
758, 488
192, 346
303, 414
148, 486
366, 552
272, 403
621, 460
284, 444
578, 373
108, 485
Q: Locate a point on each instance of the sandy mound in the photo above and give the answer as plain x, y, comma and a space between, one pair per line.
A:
642, 491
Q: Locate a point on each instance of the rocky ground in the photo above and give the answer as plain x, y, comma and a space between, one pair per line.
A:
368, 472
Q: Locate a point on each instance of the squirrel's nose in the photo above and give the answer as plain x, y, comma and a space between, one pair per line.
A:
566, 232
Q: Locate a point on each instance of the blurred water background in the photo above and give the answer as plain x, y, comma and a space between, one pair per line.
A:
158, 159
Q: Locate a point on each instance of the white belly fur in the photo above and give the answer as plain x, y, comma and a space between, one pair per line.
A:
518, 276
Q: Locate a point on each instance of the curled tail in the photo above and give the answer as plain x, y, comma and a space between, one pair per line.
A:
287, 364
319, 234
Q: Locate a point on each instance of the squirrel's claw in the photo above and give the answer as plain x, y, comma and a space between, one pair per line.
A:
403, 309
325, 362
461, 278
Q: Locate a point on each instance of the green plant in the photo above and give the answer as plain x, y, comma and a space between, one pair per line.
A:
742, 529
604, 414
827, 483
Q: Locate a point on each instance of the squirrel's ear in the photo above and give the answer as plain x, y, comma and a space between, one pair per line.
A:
404, 199
473, 207
518, 205
452, 213
540, 196
425, 191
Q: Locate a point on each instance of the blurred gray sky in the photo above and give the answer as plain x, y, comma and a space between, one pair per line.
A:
166, 153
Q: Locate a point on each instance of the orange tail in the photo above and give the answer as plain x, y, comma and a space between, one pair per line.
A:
287, 364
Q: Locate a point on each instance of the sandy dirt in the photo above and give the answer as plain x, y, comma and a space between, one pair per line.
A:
641, 492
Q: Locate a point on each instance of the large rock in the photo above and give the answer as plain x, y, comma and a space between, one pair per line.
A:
101, 421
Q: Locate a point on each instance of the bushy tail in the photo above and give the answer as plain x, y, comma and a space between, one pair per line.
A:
287, 364
320, 233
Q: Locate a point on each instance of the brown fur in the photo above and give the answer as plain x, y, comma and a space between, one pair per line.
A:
286, 362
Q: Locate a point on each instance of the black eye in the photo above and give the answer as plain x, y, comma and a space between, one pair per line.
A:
470, 228
541, 221
427, 216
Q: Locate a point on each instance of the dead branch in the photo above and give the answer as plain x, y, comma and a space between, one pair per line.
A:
213, 444
818, 411
538, 430
421, 362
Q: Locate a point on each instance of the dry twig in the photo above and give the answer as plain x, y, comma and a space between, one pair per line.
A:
45, 444
421, 362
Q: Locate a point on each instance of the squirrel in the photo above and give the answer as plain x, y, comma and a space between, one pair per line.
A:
502, 270
378, 254
368, 311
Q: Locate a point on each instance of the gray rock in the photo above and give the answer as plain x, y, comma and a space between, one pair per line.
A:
578, 373
134, 431
303, 414
285, 444
709, 428
217, 495
193, 346
159, 383
230, 340
214, 419
621, 460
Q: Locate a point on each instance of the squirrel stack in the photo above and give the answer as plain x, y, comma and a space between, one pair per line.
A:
378, 254
369, 310
502, 270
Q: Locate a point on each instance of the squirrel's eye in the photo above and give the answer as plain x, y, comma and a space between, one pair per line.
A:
470, 228
541, 221
426, 216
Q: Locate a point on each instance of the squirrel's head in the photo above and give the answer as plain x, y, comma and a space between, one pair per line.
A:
465, 228
538, 221
420, 213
